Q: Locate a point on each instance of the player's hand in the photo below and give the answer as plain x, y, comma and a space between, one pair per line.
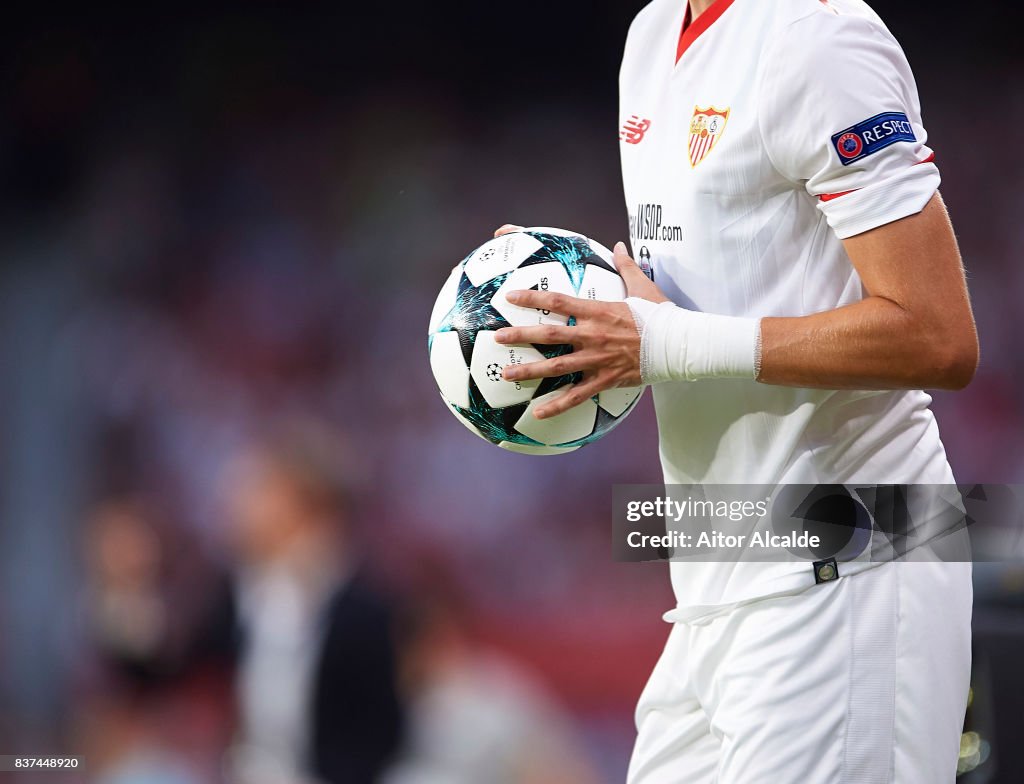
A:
605, 341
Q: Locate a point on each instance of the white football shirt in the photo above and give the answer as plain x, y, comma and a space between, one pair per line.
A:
752, 144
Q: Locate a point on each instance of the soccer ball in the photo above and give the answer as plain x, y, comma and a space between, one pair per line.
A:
468, 363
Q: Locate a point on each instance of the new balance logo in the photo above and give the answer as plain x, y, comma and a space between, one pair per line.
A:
634, 129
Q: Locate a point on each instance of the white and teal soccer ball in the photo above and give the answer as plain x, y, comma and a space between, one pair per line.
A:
467, 362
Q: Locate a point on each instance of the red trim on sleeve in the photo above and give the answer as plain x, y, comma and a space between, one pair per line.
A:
692, 30
830, 196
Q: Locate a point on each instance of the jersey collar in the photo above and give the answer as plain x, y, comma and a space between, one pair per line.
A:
692, 30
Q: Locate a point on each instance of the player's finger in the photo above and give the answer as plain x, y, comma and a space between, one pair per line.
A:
549, 368
551, 301
628, 269
553, 367
637, 283
507, 228
545, 334
572, 397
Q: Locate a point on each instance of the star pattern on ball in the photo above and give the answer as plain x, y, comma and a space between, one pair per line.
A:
573, 253
472, 312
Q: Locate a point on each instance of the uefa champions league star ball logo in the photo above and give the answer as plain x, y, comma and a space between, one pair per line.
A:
494, 371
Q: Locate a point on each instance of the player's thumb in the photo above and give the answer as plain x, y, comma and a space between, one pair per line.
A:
637, 283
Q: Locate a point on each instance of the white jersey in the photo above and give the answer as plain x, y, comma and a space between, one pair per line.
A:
752, 144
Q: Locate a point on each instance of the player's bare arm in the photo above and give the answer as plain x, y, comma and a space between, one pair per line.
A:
913, 329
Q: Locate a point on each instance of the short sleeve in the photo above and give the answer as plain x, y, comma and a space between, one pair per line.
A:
839, 115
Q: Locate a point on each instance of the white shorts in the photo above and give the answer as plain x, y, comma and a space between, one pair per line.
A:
859, 681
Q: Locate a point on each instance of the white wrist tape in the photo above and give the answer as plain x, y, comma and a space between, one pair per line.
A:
683, 345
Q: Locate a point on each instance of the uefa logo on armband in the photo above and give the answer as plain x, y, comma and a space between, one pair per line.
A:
849, 145
872, 135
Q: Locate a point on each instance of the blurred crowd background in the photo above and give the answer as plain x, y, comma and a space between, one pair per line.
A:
222, 229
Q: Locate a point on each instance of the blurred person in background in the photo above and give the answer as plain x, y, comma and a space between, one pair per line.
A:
475, 716
127, 606
293, 624
316, 677
151, 710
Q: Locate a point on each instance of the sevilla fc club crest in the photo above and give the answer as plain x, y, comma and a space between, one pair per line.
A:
706, 128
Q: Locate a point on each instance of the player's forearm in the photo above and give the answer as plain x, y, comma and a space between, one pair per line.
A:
876, 343
872, 344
